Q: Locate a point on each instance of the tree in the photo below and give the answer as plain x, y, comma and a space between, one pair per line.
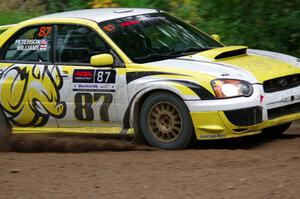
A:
269, 24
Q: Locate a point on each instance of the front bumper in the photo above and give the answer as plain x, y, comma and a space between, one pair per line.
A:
236, 117
215, 125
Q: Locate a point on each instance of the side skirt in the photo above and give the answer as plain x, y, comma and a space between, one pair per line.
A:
117, 131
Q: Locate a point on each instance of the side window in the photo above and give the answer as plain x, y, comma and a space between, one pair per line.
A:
31, 44
76, 44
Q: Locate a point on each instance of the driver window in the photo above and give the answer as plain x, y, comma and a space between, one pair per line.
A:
33, 44
76, 44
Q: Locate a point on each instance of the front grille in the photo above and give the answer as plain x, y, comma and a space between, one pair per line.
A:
284, 110
281, 83
245, 117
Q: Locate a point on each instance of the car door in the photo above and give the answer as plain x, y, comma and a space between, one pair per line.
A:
94, 96
29, 83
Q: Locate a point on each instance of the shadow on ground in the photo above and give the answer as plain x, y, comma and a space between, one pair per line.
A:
249, 142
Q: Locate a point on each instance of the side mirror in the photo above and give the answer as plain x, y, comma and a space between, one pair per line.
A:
216, 37
102, 60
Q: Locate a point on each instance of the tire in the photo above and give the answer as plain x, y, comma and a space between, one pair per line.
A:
165, 122
276, 130
5, 132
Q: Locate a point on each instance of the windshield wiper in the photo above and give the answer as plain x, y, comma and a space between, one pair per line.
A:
169, 55
191, 50
154, 57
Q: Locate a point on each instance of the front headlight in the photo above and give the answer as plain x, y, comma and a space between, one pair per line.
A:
226, 88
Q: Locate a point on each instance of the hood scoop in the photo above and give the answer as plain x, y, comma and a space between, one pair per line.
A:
224, 52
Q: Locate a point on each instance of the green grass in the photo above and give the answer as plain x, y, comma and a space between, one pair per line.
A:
12, 17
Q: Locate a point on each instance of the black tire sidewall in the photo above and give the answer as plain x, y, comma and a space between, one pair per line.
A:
185, 136
277, 130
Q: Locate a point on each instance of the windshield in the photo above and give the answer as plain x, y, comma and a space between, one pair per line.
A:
157, 36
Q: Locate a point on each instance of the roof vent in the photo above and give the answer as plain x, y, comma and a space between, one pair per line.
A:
123, 10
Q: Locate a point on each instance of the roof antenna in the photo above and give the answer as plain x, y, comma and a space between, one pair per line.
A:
123, 11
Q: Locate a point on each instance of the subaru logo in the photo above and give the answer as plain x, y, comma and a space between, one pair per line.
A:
283, 82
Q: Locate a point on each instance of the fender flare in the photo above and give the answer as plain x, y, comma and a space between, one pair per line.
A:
193, 92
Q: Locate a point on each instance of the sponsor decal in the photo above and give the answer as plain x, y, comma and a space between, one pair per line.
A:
94, 76
83, 76
31, 44
129, 23
30, 94
212, 136
150, 18
94, 80
94, 87
109, 28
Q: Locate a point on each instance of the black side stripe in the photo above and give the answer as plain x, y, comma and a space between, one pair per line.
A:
202, 92
131, 76
126, 122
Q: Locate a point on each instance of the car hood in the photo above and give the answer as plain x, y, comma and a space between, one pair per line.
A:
236, 62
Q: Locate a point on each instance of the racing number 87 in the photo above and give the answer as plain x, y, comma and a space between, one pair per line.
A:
83, 106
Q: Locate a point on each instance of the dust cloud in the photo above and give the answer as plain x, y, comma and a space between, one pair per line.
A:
63, 143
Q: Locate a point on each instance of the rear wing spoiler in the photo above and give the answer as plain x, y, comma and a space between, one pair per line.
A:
5, 27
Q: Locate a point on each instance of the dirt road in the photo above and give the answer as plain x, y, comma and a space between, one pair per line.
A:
257, 167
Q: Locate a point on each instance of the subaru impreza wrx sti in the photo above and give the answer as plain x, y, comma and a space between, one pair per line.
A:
142, 72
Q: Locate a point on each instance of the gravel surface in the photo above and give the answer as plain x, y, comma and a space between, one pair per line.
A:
259, 167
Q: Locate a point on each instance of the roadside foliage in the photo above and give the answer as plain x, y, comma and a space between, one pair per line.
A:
270, 25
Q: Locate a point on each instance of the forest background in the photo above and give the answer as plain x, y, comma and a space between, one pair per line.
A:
260, 24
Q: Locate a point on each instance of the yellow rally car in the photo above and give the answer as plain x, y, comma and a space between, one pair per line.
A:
142, 71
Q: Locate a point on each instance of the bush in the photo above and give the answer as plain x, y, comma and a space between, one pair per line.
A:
269, 24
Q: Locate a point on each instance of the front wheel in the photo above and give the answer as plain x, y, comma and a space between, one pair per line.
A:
165, 121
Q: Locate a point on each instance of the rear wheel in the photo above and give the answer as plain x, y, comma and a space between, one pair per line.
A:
5, 132
165, 121
277, 130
